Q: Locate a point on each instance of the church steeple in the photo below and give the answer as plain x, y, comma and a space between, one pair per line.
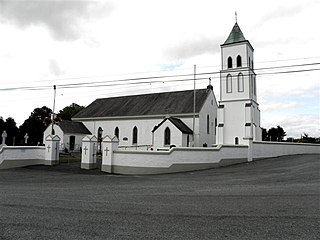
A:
235, 35
238, 113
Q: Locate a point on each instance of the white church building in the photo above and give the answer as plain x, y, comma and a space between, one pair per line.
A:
169, 119
155, 120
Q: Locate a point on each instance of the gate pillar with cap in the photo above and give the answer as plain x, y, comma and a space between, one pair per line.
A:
109, 144
89, 152
52, 150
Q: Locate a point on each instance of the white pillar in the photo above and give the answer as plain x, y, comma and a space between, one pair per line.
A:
52, 150
109, 144
250, 149
89, 155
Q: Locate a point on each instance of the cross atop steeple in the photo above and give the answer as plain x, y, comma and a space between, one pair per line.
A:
236, 16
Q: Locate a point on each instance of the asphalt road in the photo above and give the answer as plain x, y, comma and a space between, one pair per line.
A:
270, 199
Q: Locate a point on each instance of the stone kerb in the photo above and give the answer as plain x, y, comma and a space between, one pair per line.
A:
89, 149
109, 144
52, 143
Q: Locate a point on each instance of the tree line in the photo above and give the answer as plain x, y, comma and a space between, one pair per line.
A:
277, 134
35, 124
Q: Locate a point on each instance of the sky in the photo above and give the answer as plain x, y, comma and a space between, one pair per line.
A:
96, 49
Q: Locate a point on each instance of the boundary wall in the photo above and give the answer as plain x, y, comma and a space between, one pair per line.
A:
21, 156
179, 159
262, 149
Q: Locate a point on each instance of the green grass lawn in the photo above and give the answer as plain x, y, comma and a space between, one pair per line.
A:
68, 159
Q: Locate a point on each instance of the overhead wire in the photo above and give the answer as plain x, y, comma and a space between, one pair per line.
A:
142, 80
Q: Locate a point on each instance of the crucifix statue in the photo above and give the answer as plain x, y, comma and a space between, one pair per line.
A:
4, 136
26, 138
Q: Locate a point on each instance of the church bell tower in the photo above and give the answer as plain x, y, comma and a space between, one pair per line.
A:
238, 112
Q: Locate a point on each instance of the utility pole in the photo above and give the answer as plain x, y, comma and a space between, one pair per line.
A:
53, 109
194, 104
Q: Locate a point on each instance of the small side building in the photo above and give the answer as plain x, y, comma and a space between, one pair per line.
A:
71, 134
172, 132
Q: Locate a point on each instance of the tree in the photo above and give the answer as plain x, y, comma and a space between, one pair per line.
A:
68, 112
1, 126
35, 126
12, 131
276, 134
264, 134
306, 139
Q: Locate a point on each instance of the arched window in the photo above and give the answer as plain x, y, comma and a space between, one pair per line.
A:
236, 141
239, 61
251, 85
167, 136
229, 83
208, 124
116, 132
249, 63
254, 85
135, 135
229, 62
240, 83
215, 126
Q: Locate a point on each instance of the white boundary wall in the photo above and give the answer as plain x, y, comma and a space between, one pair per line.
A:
274, 149
21, 156
189, 159
176, 159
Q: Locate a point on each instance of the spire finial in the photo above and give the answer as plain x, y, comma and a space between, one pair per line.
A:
210, 86
236, 16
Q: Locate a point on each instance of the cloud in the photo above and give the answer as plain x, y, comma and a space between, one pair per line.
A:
193, 47
55, 68
63, 19
280, 12
279, 106
296, 125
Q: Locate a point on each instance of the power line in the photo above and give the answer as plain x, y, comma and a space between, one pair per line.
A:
133, 81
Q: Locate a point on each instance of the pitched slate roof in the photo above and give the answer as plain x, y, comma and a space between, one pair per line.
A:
235, 35
178, 123
180, 102
68, 126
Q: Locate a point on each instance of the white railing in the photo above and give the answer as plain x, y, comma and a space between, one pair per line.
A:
136, 147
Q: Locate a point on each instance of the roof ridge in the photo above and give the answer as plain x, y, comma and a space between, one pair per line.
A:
145, 94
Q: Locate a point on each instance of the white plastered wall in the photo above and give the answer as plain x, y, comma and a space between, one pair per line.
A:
209, 108
175, 135
144, 126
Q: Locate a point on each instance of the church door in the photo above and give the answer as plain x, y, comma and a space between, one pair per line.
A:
72, 141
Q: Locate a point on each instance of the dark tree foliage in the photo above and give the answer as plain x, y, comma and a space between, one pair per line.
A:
68, 112
264, 134
35, 125
12, 131
306, 139
275, 134
1, 126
